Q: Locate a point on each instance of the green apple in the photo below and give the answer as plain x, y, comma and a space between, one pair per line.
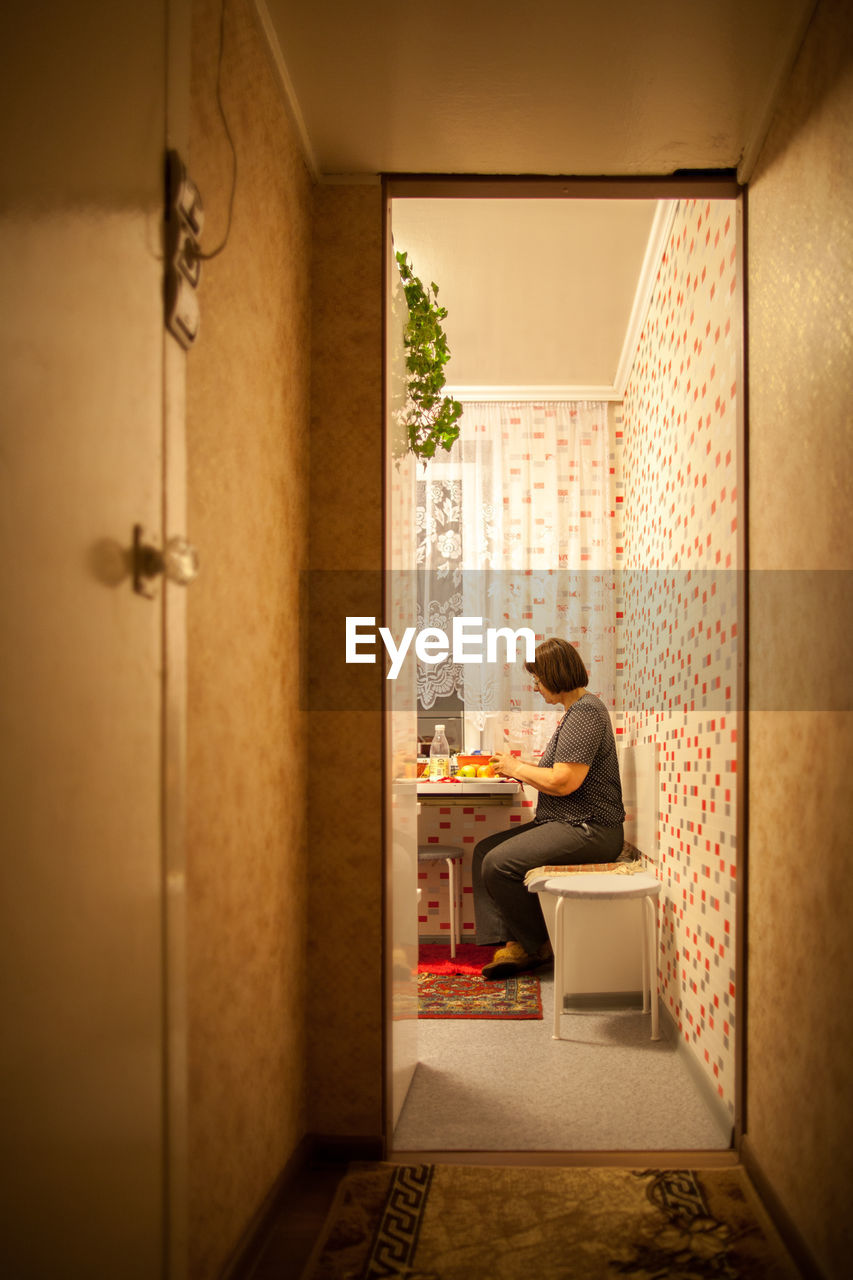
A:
467, 771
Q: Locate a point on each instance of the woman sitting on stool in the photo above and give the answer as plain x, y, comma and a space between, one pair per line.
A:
579, 814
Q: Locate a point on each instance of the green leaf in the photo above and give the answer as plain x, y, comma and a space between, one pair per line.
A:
430, 418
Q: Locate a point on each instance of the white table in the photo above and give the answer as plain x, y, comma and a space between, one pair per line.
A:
469, 787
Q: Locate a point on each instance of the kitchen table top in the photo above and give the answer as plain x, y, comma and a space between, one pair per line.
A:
468, 787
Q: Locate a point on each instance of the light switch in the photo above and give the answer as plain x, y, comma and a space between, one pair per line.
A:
189, 205
183, 315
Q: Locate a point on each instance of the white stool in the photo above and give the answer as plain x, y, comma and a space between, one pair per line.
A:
599, 886
448, 853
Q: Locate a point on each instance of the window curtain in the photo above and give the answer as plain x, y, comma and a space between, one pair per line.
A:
515, 525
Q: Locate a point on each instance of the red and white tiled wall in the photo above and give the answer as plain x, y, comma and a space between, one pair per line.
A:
461, 825
678, 630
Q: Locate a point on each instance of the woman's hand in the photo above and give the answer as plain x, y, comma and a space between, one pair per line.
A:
559, 780
505, 764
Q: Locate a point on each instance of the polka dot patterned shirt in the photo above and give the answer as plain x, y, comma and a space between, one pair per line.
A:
585, 736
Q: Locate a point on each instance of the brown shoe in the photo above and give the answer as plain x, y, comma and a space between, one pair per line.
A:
513, 959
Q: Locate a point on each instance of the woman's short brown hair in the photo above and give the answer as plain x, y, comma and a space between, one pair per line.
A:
558, 666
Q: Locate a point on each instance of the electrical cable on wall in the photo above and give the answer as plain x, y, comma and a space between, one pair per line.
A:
205, 257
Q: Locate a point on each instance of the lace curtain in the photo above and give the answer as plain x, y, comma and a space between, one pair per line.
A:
515, 525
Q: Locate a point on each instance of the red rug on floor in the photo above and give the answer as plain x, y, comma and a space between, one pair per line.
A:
467, 995
434, 957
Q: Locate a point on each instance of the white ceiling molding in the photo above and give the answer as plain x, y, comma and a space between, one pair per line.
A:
508, 395
294, 110
658, 237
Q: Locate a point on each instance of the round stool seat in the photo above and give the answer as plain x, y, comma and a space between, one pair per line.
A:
427, 852
602, 884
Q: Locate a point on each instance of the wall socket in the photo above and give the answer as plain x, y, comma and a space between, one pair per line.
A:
183, 227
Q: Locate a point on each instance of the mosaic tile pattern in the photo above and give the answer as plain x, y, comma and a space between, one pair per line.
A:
678, 627
461, 825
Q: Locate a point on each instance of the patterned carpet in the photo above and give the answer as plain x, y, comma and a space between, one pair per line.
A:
457, 1222
465, 995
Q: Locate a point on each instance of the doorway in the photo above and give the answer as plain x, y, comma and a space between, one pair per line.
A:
664, 351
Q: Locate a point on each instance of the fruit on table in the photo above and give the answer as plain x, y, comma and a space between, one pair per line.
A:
467, 771
486, 771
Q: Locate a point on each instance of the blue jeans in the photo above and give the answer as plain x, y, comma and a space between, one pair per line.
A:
503, 908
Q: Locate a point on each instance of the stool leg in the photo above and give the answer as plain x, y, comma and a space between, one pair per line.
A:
558, 967
645, 949
451, 893
652, 933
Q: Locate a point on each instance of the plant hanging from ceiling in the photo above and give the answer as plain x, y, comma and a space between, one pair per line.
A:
431, 418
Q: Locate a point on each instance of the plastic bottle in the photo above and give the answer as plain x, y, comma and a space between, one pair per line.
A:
439, 755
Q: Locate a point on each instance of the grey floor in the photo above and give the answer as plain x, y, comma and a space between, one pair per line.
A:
484, 1085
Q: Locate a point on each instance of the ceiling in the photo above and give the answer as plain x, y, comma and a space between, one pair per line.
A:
541, 294
551, 87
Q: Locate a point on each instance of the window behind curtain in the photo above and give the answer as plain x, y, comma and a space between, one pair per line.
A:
516, 525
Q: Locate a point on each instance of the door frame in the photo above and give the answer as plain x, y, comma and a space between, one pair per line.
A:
174, 712
715, 184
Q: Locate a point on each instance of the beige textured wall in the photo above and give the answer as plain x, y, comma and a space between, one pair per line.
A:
247, 423
346, 534
799, 1118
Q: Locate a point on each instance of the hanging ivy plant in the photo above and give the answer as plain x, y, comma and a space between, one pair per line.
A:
431, 419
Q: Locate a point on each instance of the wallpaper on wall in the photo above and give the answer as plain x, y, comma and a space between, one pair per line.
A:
800, 1131
677, 647
247, 891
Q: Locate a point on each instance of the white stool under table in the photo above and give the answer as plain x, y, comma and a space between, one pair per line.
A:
599, 886
448, 853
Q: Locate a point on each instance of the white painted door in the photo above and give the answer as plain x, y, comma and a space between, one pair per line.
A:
83, 934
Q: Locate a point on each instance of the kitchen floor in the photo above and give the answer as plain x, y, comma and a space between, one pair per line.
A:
495, 1085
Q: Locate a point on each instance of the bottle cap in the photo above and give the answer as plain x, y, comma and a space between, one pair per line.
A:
439, 728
